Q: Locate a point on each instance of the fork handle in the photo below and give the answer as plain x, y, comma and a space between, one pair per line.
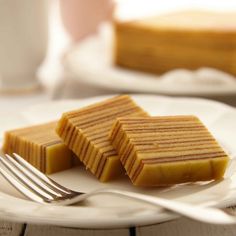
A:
199, 213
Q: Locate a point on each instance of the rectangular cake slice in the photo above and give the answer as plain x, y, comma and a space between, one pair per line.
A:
167, 150
85, 131
184, 39
40, 146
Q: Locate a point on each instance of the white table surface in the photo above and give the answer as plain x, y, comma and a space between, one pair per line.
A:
67, 89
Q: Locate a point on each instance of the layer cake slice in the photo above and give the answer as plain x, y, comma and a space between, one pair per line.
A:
40, 146
167, 150
85, 131
186, 39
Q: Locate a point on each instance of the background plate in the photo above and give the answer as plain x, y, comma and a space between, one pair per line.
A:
91, 61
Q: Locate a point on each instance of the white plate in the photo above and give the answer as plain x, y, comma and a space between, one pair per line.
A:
109, 211
91, 61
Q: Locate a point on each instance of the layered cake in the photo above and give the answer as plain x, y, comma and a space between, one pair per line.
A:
186, 39
85, 131
40, 146
167, 150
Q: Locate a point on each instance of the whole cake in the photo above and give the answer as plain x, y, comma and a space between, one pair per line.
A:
186, 39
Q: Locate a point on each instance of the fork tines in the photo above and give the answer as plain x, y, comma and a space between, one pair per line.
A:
30, 181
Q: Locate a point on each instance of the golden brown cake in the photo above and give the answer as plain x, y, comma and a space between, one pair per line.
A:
85, 132
187, 39
40, 146
167, 150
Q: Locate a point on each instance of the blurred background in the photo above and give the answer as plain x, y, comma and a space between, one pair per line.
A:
76, 49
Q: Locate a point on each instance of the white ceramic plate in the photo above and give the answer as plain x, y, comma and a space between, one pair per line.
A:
109, 211
91, 61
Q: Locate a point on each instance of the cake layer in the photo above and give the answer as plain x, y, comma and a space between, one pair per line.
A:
167, 150
187, 39
85, 132
40, 146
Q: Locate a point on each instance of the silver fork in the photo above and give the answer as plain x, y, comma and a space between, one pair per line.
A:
42, 189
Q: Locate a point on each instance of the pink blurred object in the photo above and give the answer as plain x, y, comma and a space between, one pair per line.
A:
81, 17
